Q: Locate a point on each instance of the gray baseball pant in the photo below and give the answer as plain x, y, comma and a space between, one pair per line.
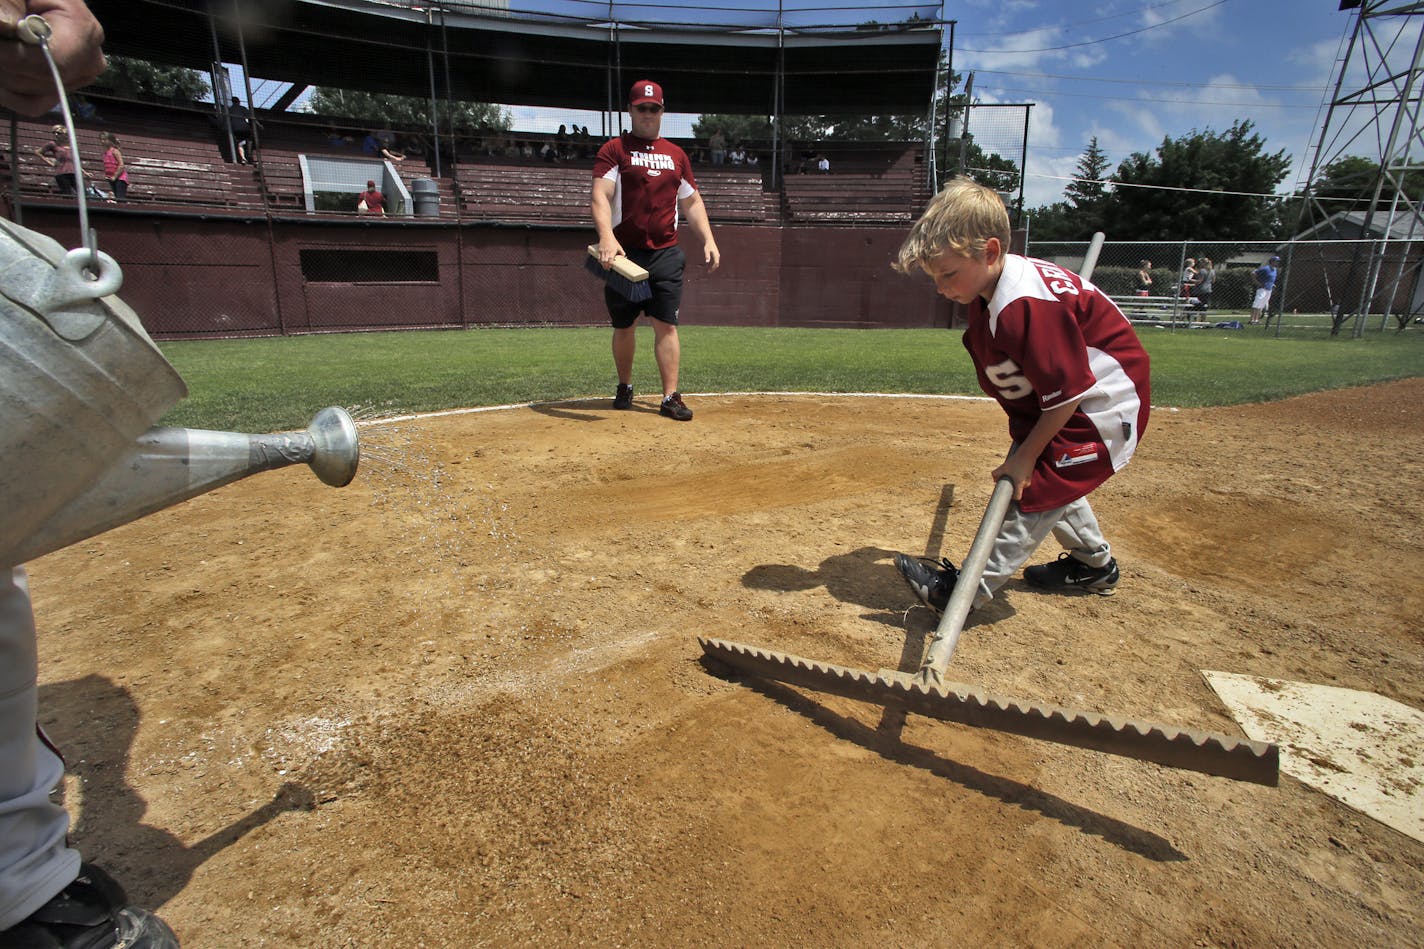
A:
1074, 525
35, 863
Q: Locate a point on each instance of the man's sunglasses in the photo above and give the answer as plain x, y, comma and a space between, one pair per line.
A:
654, 109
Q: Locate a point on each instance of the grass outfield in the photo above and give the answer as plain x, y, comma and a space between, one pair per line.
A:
261, 385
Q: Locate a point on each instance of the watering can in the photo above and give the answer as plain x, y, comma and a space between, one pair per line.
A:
82, 385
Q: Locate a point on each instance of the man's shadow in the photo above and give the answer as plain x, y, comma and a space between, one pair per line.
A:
93, 722
586, 410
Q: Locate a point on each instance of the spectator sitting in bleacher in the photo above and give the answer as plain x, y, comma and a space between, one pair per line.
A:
58, 155
371, 145
372, 201
738, 155
84, 109
335, 139
823, 164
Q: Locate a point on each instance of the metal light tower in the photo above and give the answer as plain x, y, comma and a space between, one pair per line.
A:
1375, 114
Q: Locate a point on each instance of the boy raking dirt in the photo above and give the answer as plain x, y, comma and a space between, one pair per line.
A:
1067, 368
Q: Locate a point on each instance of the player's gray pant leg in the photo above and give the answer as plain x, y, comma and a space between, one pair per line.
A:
1074, 525
35, 864
1077, 530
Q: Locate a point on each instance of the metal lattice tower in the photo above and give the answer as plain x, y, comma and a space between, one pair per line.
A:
1375, 114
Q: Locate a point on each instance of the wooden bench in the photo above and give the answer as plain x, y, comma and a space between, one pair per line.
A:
1155, 309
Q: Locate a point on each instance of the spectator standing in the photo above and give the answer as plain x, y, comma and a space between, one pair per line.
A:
48, 896
1265, 278
372, 201
1144, 279
641, 181
1205, 283
115, 169
717, 145
60, 158
239, 122
1189, 276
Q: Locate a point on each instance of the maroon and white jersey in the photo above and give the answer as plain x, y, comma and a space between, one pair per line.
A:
649, 178
1046, 338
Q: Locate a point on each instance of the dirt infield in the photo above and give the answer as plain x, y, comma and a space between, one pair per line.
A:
459, 702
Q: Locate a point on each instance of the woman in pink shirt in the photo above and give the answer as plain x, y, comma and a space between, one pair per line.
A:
114, 168
61, 159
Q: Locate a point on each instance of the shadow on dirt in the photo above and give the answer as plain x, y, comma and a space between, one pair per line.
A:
887, 745
93, 722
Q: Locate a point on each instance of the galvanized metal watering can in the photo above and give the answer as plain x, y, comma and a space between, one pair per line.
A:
82, 384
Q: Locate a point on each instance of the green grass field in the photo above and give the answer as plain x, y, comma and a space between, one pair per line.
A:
260, 385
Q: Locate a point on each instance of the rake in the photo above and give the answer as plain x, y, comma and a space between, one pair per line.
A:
931, 694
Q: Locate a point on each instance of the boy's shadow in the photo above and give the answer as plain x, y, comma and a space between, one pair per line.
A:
93, 722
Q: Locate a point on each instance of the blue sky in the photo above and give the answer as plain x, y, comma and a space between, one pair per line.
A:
1132, 72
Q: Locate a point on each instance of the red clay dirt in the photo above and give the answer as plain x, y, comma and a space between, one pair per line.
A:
460, 703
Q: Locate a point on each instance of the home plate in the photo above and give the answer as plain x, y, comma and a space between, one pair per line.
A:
1360, 748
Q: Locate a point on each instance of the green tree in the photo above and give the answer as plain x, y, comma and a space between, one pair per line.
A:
378, 108
1169, 196
1087, 193
141, 79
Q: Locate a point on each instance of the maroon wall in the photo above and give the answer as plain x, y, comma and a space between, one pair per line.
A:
193, 277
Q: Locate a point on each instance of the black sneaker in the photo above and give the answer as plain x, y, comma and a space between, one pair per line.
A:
623, 398
673, 407
1069, 573
90, 913
931, 582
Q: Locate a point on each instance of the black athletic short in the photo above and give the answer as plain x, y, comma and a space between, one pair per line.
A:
664, 269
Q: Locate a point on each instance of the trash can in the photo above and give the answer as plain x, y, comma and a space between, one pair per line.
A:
425, 193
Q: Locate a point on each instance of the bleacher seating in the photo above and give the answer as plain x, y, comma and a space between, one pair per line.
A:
163, 167
873, 191
176, 162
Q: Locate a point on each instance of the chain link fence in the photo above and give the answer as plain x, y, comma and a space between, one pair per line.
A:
1322, 288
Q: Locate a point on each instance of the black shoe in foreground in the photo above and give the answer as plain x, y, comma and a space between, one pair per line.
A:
931, 582
673, 407
1069, 573
90, 913
623, 398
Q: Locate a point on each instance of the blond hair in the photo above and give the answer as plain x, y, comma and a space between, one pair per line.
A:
109, 138
961, 219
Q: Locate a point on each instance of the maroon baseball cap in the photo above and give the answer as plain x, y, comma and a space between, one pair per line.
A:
645, 90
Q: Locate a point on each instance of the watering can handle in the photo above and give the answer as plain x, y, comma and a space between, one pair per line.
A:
80, 277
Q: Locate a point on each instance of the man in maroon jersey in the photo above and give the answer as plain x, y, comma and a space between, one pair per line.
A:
372, 200
1067, 368
641, 182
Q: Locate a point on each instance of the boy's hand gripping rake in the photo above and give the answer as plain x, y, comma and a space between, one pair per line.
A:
929, 694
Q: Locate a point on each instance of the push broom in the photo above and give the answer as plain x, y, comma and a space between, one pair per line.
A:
626, 278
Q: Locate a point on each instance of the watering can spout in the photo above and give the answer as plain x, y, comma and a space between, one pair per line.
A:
169, 465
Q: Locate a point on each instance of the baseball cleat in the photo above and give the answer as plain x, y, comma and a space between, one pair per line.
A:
623, 398
931, 582
94, 913
1069, 573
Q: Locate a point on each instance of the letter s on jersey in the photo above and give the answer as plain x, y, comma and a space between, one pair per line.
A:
1009, 379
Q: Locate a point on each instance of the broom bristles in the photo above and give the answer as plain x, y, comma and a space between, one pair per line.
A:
626, 278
